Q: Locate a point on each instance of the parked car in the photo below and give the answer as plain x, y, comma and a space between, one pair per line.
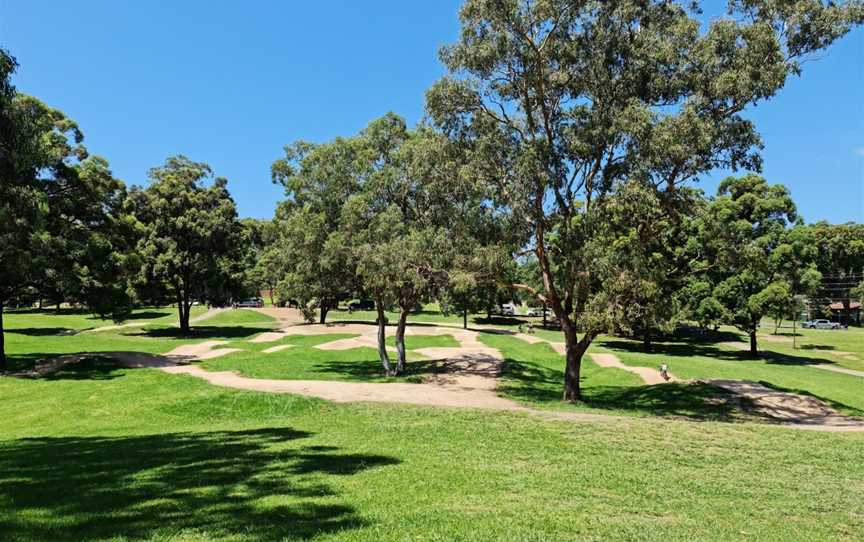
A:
821, 324
254, 302
538, 311
508, 309
361, 305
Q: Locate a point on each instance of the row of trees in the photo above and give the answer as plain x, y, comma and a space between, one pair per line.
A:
556, 161
72, 232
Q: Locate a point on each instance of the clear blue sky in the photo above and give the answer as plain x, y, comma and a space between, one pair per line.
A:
230, 83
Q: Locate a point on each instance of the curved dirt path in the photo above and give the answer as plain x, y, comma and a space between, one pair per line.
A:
789, 408
468, 378
844, 370
648, 375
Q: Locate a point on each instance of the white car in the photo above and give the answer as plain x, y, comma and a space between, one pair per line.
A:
508, 309
821, 324
538, 312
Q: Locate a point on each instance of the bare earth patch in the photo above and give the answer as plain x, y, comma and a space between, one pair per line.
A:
789, 408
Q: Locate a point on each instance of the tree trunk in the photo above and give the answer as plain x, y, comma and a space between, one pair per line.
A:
272, 302
544, 315
847, 311
465, 318
646, 339
382, 337
2, 342
400, 341
183, 310
754, 351
794, 333
575, 349
324, 310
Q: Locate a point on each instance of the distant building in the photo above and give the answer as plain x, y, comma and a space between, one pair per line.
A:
837, 311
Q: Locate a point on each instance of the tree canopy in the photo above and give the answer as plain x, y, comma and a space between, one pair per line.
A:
563, 100
191, 238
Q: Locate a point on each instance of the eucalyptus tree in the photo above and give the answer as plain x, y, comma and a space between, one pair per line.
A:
561, 100
641, 259
90, 247
318, 180
399, 226
191, 234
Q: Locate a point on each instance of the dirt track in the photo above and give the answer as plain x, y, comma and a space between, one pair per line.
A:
468, 377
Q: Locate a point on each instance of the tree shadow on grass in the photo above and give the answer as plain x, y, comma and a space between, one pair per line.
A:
368, 369
88, 368
200, 332
500, 321
696, 401
817, 347
44, 331
256, 485
693, 348
149, 315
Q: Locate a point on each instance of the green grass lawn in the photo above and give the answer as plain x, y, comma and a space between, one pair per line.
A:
143, 455
844, 348
432, 316
50, 321
235, 317
534, 375
97, 452
414, 342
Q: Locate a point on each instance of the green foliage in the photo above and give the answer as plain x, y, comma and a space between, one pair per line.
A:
745, 249
63, 232
840, 260
305, 260
191, 237
560, 102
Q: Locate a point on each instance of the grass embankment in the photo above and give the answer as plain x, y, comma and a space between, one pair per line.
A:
839, 347
689, 358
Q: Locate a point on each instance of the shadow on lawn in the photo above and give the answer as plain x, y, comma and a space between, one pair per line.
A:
536, 384
44, 331
255, 485
690, 348
200, 332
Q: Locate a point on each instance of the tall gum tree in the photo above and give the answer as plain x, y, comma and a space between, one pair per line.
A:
561, 99
401, 226
191, 232
318, 180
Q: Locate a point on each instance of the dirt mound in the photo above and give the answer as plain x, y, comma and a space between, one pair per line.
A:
788, 408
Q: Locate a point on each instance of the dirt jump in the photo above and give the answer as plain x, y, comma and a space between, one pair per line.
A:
466, 376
